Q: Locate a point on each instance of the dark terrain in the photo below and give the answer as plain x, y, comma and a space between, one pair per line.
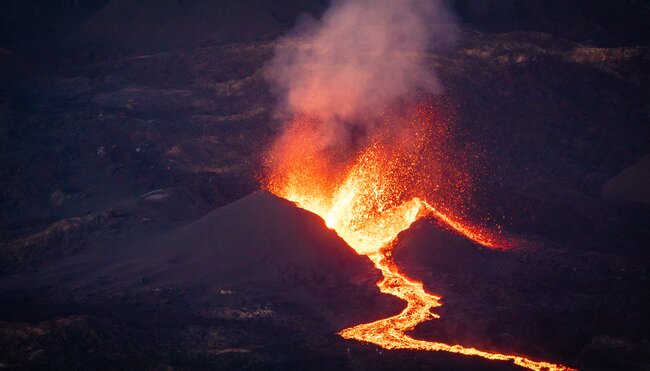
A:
133, 233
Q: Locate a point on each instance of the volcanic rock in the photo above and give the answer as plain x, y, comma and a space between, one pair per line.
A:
170, 95
440, 249
489, 296
631, 184
258, 247
63, 238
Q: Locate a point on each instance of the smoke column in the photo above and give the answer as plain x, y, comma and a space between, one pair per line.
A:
359, 57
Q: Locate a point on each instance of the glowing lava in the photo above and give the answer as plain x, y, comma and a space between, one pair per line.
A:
368, 202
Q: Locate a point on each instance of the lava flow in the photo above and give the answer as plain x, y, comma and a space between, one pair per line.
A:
368, 201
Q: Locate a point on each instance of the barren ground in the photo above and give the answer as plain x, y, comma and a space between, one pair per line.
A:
106, 150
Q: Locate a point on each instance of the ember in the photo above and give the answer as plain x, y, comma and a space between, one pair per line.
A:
369, 201
363, 156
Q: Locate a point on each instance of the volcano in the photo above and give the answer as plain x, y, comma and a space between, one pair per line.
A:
258, 247
268, 254
310, 184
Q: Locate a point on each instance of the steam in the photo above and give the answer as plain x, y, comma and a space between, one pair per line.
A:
360, 57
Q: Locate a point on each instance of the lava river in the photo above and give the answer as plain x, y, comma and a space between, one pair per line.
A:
367, 202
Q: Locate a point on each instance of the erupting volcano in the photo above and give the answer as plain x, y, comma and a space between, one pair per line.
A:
364, 151
334, 185
369, 200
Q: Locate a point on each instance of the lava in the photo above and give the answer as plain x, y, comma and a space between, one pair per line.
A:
390, 333
369, 201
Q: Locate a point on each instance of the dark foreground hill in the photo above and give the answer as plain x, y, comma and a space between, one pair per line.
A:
257, 283
536, 299
260, 247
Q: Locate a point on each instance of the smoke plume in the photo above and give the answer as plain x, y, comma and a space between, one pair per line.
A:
359, 57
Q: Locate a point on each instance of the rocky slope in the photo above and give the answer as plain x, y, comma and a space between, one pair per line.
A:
101, 144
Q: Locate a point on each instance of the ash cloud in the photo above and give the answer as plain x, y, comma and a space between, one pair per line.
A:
359, 57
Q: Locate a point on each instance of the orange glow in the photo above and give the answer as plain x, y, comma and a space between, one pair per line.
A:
390, 333
368, 201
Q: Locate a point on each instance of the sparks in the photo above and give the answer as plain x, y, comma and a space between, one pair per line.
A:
367, 203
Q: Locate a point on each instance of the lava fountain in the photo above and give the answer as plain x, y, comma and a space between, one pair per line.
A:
371, 194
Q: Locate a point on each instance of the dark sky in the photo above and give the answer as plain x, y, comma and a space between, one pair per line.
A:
605, 22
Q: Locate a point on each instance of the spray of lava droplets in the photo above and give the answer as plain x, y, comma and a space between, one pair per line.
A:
369, 200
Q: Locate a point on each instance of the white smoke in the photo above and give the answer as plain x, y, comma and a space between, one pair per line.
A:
359, 57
